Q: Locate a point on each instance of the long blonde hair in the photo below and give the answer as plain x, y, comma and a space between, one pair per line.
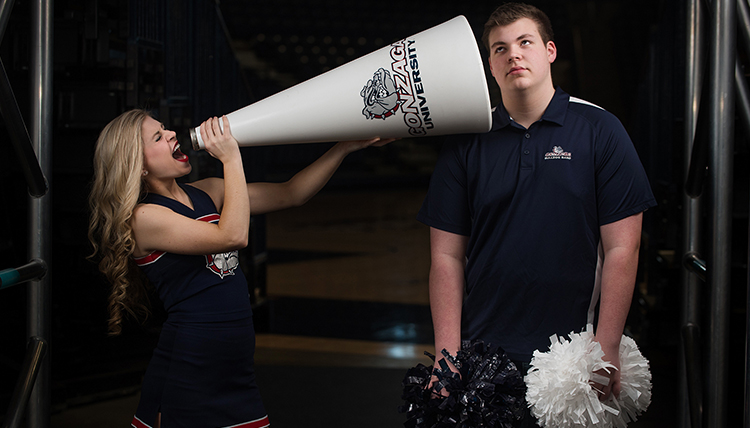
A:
117, 188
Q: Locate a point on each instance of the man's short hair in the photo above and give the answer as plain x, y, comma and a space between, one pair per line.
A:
509, 13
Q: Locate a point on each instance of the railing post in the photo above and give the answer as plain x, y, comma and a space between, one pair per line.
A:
722, 51
691, 214
743, 22
38, 415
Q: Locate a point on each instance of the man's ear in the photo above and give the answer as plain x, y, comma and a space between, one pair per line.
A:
551, 51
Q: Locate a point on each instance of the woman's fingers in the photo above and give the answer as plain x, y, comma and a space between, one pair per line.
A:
216, 126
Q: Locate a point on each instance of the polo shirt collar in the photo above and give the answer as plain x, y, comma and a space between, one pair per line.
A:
555, 111
557, 107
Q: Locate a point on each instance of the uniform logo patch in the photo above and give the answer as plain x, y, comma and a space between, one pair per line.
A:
223, 264
557, 153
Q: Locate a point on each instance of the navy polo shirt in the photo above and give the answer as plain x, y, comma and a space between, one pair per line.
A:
531, 202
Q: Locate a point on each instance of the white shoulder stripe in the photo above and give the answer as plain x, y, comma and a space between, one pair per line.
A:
580, 101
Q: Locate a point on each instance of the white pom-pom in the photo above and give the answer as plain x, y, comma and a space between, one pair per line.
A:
559, 390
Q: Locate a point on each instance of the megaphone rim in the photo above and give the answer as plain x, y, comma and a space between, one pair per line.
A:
197, 143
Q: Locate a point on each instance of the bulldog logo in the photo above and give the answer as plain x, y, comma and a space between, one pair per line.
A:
223, 264
380, 96
558, 153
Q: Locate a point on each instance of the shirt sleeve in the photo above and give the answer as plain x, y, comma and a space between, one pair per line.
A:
621, 182
446, 206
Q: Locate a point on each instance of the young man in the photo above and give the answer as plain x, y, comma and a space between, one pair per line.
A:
538, 221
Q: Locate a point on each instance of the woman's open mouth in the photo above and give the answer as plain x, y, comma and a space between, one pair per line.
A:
177, 154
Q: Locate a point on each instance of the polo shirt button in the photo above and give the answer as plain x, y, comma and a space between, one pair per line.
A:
526, 152
527, 135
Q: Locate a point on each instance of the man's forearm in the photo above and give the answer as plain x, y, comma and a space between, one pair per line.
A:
621, 245
448, 256
446, 297
618, 282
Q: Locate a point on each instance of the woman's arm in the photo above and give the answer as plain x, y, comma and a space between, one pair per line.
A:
268, 197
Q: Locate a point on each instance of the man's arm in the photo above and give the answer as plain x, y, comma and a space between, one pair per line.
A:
448, 255
621, 242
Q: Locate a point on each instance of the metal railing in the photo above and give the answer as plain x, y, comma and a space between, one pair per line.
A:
32, 364
34, 269
713, 82
32, 394
36, 349
19, 136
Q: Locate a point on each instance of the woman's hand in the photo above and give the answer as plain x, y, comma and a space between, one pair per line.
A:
219, 143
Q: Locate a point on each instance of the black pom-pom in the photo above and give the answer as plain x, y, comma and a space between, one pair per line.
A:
487, 392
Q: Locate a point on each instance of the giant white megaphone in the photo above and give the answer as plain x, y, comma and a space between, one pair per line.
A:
431, 83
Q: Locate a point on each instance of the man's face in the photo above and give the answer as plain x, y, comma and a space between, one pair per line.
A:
519, 58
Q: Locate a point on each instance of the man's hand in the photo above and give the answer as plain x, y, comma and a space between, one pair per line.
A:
433, 379
613, 387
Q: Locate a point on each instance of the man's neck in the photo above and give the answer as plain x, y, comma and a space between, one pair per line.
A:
528, 106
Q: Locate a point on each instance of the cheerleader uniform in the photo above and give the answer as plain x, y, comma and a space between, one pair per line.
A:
201, 372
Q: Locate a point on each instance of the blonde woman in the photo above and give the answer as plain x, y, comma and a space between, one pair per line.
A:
184, 239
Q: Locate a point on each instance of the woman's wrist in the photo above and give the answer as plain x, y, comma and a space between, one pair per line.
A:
342, 149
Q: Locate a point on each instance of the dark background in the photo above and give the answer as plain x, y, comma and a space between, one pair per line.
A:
191, 59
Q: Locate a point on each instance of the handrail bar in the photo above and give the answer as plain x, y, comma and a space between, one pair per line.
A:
743, 24
33, 270
19, 136
741, 86
695, 264
32, 363
5, 8
742, 94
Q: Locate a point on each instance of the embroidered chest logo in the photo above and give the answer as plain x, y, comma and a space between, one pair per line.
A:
557, 153
223, 264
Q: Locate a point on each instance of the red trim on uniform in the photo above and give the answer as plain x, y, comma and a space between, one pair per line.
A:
209, 218
149, 258
137, 423
258, 423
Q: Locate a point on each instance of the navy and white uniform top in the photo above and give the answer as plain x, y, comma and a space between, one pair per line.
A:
178, 277
201, 373
531, 202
